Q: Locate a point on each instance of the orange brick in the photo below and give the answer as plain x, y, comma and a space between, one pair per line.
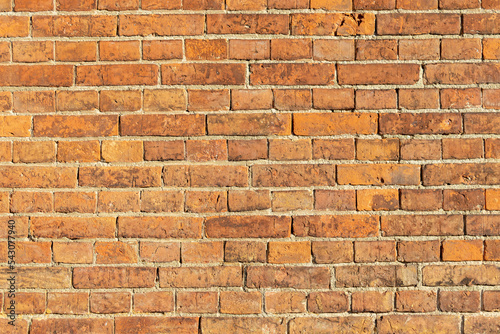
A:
248, 200
117, 74
327, 302
6, 101
246, 99
460, 98
462, 250
377, 149
374, 251
154, 302
75, 125
419, 49
333, 149
67, 302
333, 98
164, 150
376, 99
329, 124
377, 49
291, 49
27, 303
286, 149
333, 50
492, 199
420, 149
162, 201
246, 4
110, 302
247, 149
162, 50
34, 102
342, 24
421, 199
202, 252
245, 251
419, 98
285, 302
197, 302
249, 124
289, 252
118, 4
14, 26
164, 100
335, 200
160, 251
203, 74
372, 301
416, 301
462, 148
292, 99
459, 301
377, 199
206, 201
491, 250
160, 4
457, 49
491, 48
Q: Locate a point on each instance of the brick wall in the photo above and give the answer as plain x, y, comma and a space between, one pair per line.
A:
251, 166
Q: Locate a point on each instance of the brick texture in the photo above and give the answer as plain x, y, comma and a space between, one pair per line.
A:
250, 166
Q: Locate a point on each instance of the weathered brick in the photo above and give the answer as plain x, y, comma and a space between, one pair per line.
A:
251, 99
202, 252
67, 302
214, 325
253, 149
292, 99
289, 252
162, 50
333, 24
328, 124
463, 199
162, 201
206, 201
115, 252
327, 302
69, 325
298, 277
374, 251
78, 151
296, 175
372, 301
154, 302
201, 277
285, 302
410, 225
208, 100
33, 152
276, 24
290, 74
440, 174
73, 227
129, 324
76, 51
459, 301
416, 301
403, 323
110, 302
119, 50
463, 73
120, 100
240, 302
160, 251
460, 275
248, 200
72, 252
161, 24
203, 74
249, 49
419, 98
333, 50
163, 150
37, 177
249, 124
211, 49
119, 177
116, 75
75, 125
113, 277
245, 251
421, 123
418, 24
378, 74
376, 276
122, 151
74, 26
244, 227
333, 325
197, 302
159, 227
342, 226
421, 199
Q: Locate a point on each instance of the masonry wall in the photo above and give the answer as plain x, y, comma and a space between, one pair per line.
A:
250, 166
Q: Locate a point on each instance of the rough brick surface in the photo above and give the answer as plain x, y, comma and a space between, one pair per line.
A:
250, 166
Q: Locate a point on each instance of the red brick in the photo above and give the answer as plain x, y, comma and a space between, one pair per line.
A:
328, 124
374, 4
416, 301
285, 149
206, 201
386, 174
490, 4
113, 277
461, 73
290, 74
333, 24
245, 251
78, 151
292, 99
482, 123
289, 252
210, 49
247, 24
119, 177
75, 125
203, 74
479, 173
73, 252
341, 324
122, 151
462, 148
67, 302
372, 301
492, 199
5, 101
418, 23
203, 4
159, 227
333, 98
202, 252
480, 23
342, 226
36, 75
333, 149
162, 201
417, 4
296, 175
118, 201
333, 50
14, 26
426, 225
419, 49
110, 302
288, 4
460, 98
239, 302
491, 48
39, 277
197, 302
161, 24
162, 50
345, 5
73, 227
214, 325
419, 251
37, 177
377, 49
243, 227
327, 302
33, 6
208, 100
459, 301
378, 74
462, 250
376, 276
127, 100
72, 325
119, 50
162, 125
163, 150
118, 4
247, 149
33, 102
481, 324
116, 75
205, 176
158, 324
403, 323
460, 49
419, 99
75, 5
420, 149
377, 199
249, 124
248, 49
74, 26
421, 199
285, 302
160, 251
377, 149
77, 100
33, 252
491, 301
246, 99
291, 49
154, 302
248, 200
297, 277
492, 148
23, 201
201, 277
374, 251
32, 52
335, 200
76, 51
160, 4
33, 152
422, 123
